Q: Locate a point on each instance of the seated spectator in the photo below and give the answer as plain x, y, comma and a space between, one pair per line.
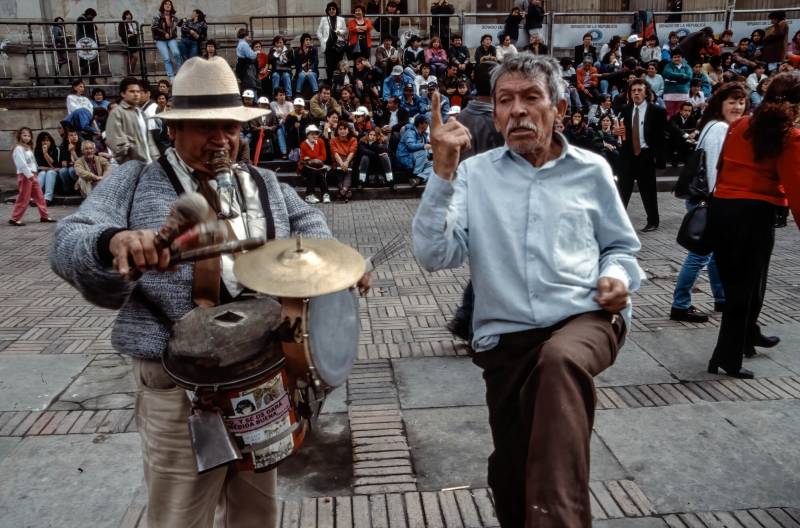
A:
394, 84
312, 165
90, 168
281, 108
535, 45
568, 75
587, 82
387, 56
68, 154
348, 102
757, 42
99, 98
436, 58
425, 101
296, 124
615, 45
210, 49
425, 76
362, 121
696, 96
485, 52
322, 102
164, 87
306, 65
725, 41
577, 132
46, 155
458, 53
669, 46
410, 101
413, 150
393, 118
450, 80
461, 98
757, 95
609, 143
414, 55
609, 65
77, 99
373, 157
341, 77
343, 152
262, 74
360, 34
506, 48
742, 58
600, 109
585, 48
705, 81
757, 76
367, 80
694, 45
329, 130
281, 60
682, 128
794, 45
650, 52
389, 26
263, 131
631, 48
656, 82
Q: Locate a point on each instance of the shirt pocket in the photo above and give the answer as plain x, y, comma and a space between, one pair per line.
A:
576, 252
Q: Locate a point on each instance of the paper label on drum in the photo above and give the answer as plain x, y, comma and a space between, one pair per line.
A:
274, 453
261, 412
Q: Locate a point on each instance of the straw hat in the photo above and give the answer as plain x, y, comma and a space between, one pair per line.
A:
206, 89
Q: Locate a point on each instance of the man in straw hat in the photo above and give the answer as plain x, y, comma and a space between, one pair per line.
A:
112, 234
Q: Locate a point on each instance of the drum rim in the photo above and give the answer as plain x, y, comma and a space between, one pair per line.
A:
238, 383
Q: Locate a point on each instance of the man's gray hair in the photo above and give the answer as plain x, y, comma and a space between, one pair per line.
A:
531, 66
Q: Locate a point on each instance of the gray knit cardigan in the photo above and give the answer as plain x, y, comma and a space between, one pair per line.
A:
138, 196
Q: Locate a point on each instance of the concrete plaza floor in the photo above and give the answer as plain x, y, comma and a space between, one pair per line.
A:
404, 442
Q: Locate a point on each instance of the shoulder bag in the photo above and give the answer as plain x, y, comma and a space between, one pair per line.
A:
692, 182
694, 233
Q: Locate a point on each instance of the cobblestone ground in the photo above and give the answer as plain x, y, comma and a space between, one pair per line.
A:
404, 443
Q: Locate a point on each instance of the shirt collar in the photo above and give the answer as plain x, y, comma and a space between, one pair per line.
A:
641, 106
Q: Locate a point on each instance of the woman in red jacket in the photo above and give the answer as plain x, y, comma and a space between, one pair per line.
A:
759, 174
343, 150
360, 34
312, 165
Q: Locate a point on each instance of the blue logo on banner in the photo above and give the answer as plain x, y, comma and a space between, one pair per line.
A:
682, 32
596, 34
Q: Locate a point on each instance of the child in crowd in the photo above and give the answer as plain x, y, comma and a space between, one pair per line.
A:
28, 184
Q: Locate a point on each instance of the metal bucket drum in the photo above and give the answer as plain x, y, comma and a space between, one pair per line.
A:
325, 343
230, 358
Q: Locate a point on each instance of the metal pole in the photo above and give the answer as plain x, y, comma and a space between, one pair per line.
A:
33, 51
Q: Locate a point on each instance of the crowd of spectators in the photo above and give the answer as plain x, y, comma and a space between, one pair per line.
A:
365, 122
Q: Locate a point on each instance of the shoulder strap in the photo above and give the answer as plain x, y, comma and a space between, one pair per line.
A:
705, 133
264, 197
173, 178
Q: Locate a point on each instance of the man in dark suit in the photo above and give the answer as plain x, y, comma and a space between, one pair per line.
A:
643, 149
391, 118
581, 50
682, 134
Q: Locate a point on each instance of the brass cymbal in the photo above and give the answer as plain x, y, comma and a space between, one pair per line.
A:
299, 267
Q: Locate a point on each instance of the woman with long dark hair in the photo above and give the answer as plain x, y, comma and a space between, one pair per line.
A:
193, 32
165, 35
47, 160
129, 35
332, 34
728, 104
758, 175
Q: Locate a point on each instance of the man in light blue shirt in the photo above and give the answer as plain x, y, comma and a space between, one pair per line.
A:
552, 256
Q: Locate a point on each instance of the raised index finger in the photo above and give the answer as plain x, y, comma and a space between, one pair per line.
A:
436, 110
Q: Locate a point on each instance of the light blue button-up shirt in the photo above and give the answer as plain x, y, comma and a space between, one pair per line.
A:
538, 239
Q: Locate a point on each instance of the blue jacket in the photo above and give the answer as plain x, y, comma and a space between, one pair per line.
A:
425, 105
412, 108
411, 141
676, 80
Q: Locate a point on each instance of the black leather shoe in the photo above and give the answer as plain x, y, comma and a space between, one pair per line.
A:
766, 341
16, 223
414, 181
48, 220
719, 306
742, 373
649, 227
690, 315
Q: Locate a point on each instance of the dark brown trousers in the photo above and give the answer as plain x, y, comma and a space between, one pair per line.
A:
541, 398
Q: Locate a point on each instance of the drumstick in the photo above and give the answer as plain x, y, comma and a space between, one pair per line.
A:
215, 250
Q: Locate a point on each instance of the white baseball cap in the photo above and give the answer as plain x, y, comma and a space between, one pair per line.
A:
263, 100
299, 102
312, 128
455, 109
249, 93
397, 70
361, 110
633, 38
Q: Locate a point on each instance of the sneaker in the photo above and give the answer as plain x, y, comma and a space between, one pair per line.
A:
326, 198
690, 315
312, 199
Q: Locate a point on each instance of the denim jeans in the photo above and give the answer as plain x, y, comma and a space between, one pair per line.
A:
284, 78
165, 48
282, 139
692, 266
423, 167
67, 179
189, 48
302, 76
47, 181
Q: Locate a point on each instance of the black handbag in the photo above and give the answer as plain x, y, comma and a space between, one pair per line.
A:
694, 233
692, 182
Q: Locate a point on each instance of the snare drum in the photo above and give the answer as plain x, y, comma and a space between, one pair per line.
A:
230, 360
325, 343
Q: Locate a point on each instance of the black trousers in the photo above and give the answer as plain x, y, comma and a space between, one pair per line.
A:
744, 235
541, 399
332, 60
315, 179
641, 169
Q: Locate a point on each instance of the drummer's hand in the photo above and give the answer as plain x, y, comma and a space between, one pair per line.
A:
612, 295
139, 248
447, 141
365, 283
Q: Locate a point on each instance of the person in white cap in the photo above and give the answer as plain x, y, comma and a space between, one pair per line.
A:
312, 165
362, 121
262, 141
393, 84
295, 127
108, 251
248, 96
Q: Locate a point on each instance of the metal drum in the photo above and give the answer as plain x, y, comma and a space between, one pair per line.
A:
325, 343
230, 360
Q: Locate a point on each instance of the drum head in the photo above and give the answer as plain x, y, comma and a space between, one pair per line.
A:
333, 328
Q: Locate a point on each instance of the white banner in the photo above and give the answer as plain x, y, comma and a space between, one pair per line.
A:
570, 35
744, 28
684, 28
473, 33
